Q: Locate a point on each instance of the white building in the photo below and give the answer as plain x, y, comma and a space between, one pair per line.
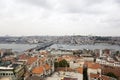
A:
108, 63
60, 52
74, 64
13, 71
93, 68
62, 75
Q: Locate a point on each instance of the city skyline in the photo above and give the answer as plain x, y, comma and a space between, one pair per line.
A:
59, 17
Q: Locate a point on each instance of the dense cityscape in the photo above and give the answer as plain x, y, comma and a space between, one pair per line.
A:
59, 39
45, 62
73, 40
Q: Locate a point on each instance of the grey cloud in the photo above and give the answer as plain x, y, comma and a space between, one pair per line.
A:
82, 14
69, 6
88, 7
114, 22
41, 3
79, 6
35, 2
118, 1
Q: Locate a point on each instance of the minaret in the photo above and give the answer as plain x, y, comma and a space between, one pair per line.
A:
100, 52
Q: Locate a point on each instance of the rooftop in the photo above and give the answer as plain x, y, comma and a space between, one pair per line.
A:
31, 60
80, 70
47, 67
38, 70
62, 75
99, 76
23, 56
93, 65
34, 78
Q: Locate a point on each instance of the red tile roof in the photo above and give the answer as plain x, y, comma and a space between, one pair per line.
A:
94, 75
60, 59
23, 56
80, 70
31, 60
47, 67
93, 65
38, 70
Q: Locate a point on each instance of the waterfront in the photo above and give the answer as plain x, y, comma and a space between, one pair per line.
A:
41, 62
91, 47
17, 47
23, 47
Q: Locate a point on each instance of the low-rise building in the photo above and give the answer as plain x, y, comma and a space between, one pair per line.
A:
61, 75
15, 71
108, 63
32, 62
110, 69
74, 64
100, 77
93, 68
61, 52
38, 71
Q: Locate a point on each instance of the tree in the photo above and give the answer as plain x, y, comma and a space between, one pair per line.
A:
63, 63
111, 75
117, 53
56, 64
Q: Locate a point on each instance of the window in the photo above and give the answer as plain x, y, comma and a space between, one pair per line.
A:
3, 74
11, 74
6, 73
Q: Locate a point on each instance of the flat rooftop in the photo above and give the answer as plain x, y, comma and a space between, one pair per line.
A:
9, 65
61, 75
5, 63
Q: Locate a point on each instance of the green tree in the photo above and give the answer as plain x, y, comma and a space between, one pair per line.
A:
111, 75
56, 64
63, 63
117, 53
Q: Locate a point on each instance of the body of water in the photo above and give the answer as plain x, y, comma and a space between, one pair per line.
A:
17, 47
23, 47
91, 47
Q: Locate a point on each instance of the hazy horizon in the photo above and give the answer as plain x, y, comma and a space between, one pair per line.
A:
59, 17
54, 35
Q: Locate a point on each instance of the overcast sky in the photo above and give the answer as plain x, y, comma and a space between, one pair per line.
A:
60, 17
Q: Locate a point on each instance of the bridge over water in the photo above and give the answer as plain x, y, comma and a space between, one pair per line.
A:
42, 46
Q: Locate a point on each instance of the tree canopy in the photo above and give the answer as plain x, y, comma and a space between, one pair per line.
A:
111, 75
62, 63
